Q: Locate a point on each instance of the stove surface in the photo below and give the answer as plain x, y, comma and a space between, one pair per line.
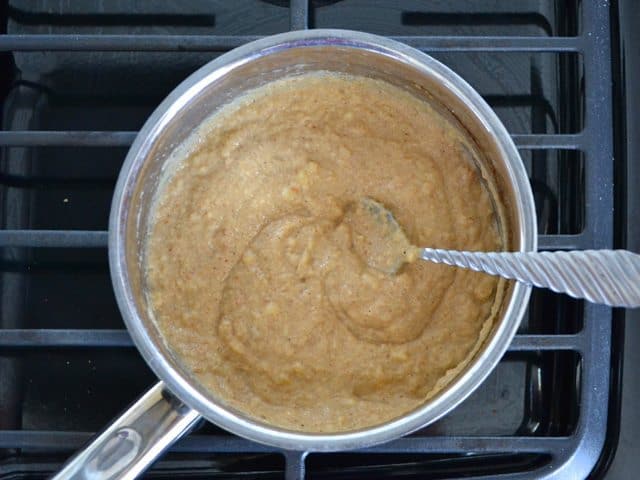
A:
83, 80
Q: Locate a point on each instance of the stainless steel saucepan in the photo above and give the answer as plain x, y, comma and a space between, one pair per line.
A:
173, 406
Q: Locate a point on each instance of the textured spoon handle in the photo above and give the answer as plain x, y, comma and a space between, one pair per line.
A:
610, 277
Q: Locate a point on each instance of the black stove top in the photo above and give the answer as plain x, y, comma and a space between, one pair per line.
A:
83, 78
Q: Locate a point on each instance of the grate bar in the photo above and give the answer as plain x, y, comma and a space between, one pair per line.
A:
65, 441
123, 43
47, 338
523, 343
208, 43
79, 138
54, 238
463, 445
25, 138
559, 142
298, 14
87, 338
591, 428
493, 43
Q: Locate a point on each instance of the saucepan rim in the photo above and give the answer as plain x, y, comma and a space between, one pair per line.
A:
174, 376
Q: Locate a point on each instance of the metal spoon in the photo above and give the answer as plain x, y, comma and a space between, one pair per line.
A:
610, 277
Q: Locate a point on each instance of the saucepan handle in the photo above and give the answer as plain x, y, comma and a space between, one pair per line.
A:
131, 443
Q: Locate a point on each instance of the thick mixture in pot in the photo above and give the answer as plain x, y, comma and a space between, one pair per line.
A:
258, 276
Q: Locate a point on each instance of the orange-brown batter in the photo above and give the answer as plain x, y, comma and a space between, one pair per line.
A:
253, 266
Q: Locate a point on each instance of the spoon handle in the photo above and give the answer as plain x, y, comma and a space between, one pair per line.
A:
610, 277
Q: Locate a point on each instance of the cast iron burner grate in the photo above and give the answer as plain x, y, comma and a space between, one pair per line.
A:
82, 82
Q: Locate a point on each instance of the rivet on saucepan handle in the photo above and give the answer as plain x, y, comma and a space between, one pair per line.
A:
130, 444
